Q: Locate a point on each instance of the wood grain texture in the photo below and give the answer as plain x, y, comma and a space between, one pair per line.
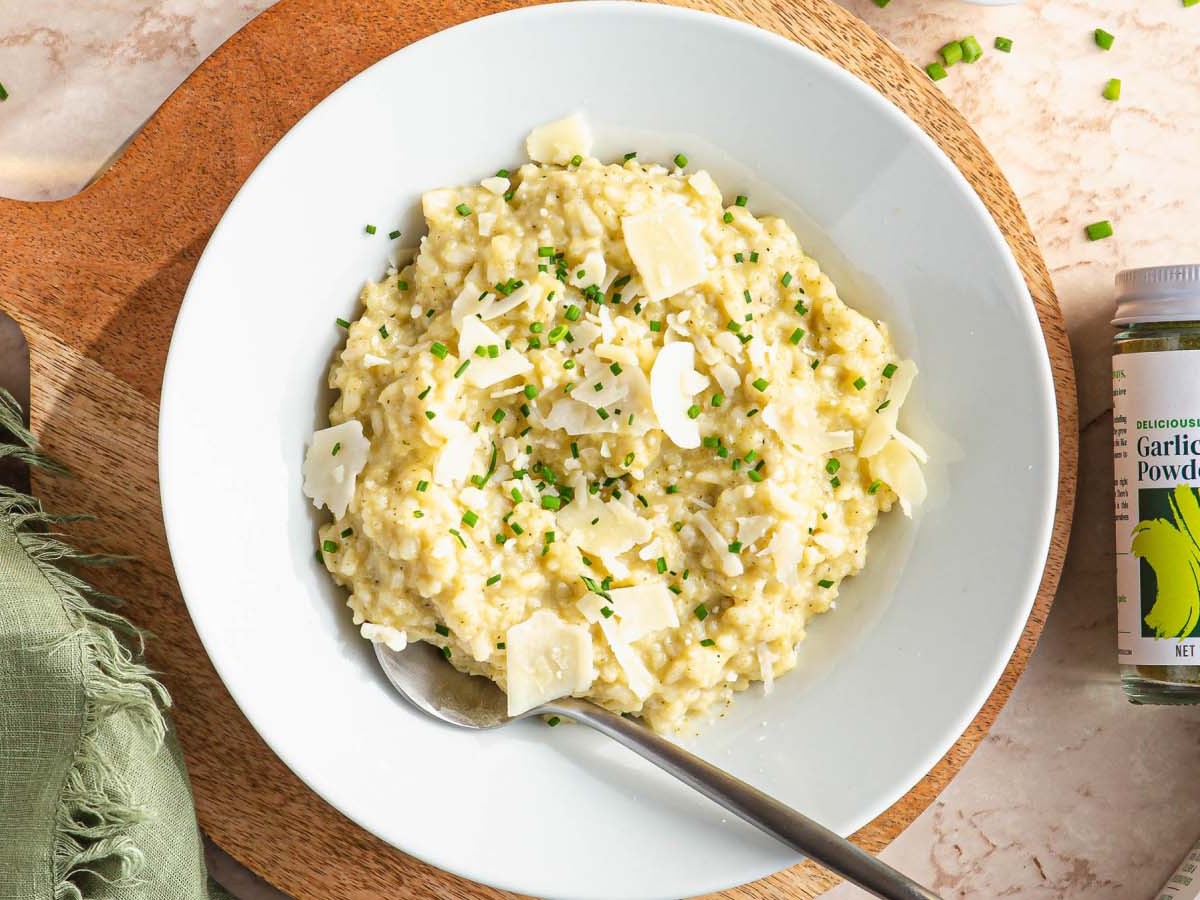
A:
96, 282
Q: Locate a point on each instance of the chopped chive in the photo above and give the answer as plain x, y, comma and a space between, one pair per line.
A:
797, 336
568, 364
750, 414
422, 486
672, 489
1104, 40
383, 332
442, 630
439, 350
951, 53
693, 411
545, 251
971, 49
737, 257
574, 450
859, 383
760, 384
346, 532
535, 344
572, 314
417, 514
402, 285
498, 416
630, 155
741, 200
470, 518
718, 399
825, 583
342, 323
800, 309
462, 368
755, 475
557, 333
746, 296
936, 71
1112, 90
462, 209
370, 229
733, 326
457, 534
602, 413
753, 256
628, 460
576, 159
736, 465
889, 370
549, 501
529, 391
517, 495
495, 579
722, 452
446, 652
656, 326
500, 645
337, 448
786, 279
1003, 44
430, 415
329, 546
712, 440
735, 547
882, 406
661, 564
701, 612
508, 195
615, 368
1099, 230
677, 527
709, 642
832, 466
681, 160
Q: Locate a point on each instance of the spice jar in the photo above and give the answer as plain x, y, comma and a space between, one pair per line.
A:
1156, 482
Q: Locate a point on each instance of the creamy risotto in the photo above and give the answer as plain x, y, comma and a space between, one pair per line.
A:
609, 434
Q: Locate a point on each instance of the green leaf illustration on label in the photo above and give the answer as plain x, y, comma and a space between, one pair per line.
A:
1171, 547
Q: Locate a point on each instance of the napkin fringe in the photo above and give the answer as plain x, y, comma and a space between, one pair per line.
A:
96, 812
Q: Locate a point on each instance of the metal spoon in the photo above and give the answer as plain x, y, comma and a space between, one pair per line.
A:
428, 682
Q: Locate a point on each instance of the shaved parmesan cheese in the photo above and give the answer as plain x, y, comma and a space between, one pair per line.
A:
392, 638
370, 360
616, 568
556, 142
641, 682
800, 427
485, 372
547, 659
615, 353
728, 378
438, 203
454, 459
751, 528
577, 418
730, 564
471, 301
652, 550
608, 330
495, 185
766, 667
593, 268
912, 446
590, 605
896, 467
617, 528
644, 609
882, 427
666, 247
329, 477
585, 332
673, 368
787, 550
526, 293
702, 183
487, 222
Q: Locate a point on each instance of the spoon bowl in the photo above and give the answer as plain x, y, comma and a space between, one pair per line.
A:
422, 676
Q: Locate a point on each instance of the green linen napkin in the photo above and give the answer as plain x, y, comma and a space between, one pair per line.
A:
94, 797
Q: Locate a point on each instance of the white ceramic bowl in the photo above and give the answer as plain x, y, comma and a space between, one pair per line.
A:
887, 682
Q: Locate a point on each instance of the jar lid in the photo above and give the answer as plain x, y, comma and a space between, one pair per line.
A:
1158, 294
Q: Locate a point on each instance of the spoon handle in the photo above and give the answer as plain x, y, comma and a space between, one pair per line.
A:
777, 819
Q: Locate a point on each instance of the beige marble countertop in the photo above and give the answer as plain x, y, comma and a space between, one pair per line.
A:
1075, 793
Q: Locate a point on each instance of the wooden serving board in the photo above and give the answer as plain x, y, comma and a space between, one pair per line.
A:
96, 281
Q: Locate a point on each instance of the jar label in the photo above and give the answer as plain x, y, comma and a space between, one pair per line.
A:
1156, 487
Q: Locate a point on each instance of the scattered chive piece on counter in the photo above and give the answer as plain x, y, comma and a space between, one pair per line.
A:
681, 160
371, 229
1097, 231
1104, 40
4, 93
935, 71
825, 583
462, 209
1185, 3
951, 53
971, 49
392, 235
1112, 90
882, 3
1003, 44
